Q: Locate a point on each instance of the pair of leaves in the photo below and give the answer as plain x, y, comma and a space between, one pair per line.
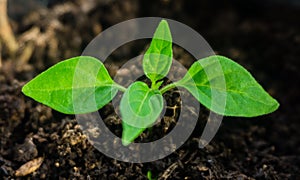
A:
82, 85
141, 106
217, 82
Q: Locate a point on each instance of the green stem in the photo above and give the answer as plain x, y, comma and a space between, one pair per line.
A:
120, 87
153, 83
167, 88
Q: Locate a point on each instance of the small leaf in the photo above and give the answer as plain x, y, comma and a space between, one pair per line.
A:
158, 58
74, 86
139, 107
157, 85
242, 94
29, 167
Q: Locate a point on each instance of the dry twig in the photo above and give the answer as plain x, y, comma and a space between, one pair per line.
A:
6, 35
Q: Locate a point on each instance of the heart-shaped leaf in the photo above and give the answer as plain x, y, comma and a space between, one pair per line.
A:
158, 58
235, 91
139, 107
74, 86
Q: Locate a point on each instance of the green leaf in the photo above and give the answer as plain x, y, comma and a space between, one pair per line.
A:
74, 86
139, 107
228, 81
158, 58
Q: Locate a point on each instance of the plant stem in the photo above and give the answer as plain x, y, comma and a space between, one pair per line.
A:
167, 88
120, 87
153, 83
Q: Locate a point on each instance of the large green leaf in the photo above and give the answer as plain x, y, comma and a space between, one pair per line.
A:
227, 88
158, 58
74, 86
139, 107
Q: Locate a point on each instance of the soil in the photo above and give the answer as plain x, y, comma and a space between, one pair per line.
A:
263, 37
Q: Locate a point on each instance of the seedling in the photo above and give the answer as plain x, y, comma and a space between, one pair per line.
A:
82, 85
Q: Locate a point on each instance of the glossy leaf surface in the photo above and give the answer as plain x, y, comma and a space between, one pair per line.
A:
158, 58
140, 107
228, 81
74, 86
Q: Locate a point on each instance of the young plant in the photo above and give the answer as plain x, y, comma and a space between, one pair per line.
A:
82, 85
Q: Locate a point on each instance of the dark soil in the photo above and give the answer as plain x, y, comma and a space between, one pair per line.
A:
263, 37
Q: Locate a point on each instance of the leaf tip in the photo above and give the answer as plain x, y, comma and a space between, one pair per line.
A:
276, 105
125, 142
25, 89
164, 22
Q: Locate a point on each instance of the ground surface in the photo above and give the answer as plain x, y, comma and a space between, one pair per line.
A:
260, 38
